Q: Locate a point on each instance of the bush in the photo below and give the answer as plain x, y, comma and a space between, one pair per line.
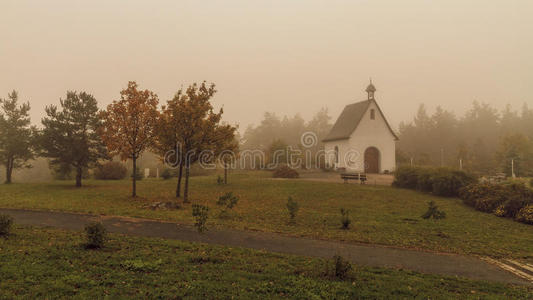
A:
292, 207
220, 181
439, 181
96, 235
6, 223
200, 214
406, 177
504, 200
525, 214
345, 219
285, 171
433, 212
227, 201
448, 182
166, 174
341, 268
425, 180
111, 171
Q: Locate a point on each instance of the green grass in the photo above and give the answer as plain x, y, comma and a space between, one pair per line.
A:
48, 263
380, 215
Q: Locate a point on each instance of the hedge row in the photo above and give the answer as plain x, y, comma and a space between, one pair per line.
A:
439, 181
511, 200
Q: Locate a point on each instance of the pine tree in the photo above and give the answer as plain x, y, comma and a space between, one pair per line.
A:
70, 138
16, 135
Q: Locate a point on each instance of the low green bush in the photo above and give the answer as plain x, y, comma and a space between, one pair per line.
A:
339, 268
406, 177
285, 171
439, 181
292, 207
110, 171
425, 179
345, 219
96, 235
448, 183
200, 214
166, 174
433, 212
227, 201
6, 224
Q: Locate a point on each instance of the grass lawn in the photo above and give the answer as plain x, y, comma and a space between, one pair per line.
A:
49, 263
380, 215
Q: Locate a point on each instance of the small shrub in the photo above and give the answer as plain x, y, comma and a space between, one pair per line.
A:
285, 171
220, 181
166, 174
341, 268
111, 171
96, 235
292, 207
345, 219
227, 201
525, 214
6, 224
200, 214
433, 212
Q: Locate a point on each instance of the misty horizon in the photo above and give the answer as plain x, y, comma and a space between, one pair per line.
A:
265, 57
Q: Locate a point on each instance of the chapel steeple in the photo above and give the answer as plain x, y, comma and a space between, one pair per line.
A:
370, 89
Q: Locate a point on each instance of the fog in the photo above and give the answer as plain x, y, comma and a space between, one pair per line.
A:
286, 57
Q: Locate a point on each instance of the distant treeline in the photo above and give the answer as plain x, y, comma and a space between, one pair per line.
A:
278, 133
484, 139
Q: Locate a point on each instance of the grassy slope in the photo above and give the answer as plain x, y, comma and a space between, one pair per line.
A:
47, 263
380, 215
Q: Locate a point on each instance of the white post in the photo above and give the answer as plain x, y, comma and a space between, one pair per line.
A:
461, 164
512, 168
411, 161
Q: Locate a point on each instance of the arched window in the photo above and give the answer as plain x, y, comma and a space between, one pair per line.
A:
372, 114
336, 154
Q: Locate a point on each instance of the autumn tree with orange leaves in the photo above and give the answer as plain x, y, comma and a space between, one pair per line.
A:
188, 128
129, 125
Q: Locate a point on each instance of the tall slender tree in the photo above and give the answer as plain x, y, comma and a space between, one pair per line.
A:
16, 135
69, 137
129, 125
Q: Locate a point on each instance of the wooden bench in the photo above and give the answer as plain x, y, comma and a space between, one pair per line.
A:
354, 176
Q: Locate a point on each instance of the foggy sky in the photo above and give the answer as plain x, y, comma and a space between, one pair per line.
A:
290, 56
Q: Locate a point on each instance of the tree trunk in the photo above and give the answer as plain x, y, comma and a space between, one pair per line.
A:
225, 173
134, 178
79, 172
178, 188
9, 170
186, 190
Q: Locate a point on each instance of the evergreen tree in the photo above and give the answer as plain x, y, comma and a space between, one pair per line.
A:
16, 135
69, 137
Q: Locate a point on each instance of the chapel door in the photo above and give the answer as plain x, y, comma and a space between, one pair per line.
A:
372, 160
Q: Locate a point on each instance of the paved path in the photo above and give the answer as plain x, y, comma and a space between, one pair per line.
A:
367, 255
